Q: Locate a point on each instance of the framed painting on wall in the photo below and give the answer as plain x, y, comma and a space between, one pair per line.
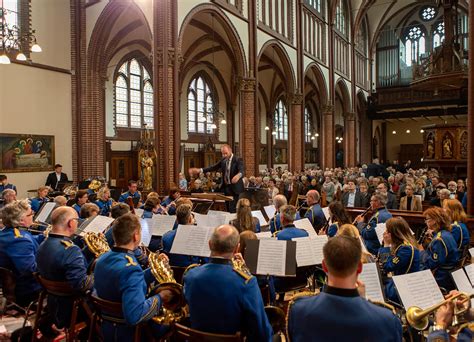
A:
26, 153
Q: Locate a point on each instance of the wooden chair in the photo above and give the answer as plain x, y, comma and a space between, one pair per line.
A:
105, 310
183, 333
60, 289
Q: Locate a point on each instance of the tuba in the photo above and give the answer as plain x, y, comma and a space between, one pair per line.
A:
96, 243
175, 310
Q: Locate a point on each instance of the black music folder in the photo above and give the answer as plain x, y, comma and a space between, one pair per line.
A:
271, 257
202, 207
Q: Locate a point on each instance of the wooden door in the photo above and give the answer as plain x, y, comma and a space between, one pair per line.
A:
122, 169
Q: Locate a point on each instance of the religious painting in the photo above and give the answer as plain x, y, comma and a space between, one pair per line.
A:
447, 146
26, 153
463, 145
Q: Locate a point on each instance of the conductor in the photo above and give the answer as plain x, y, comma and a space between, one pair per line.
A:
232, 169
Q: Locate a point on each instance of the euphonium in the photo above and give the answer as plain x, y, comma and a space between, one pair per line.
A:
161, 270
96, 243
418, 318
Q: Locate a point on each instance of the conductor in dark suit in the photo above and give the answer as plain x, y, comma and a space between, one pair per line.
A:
232, 169
56, 177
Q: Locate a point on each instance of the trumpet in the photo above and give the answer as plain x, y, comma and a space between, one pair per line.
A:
45, 232
418, 318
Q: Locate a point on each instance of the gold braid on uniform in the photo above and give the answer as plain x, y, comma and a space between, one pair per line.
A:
292, 301
190, 267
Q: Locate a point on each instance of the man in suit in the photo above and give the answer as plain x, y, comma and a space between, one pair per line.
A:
56, 177
391, 197
352, 198
232, 169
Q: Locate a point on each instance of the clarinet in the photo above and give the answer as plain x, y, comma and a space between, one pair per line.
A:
363, 214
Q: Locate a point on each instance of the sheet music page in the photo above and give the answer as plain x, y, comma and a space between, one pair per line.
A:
309, 251
192, 240
326, 212
471, 251
160, 224
219, 217
146, 236
264, 235
370, 277
205, 220
379, 229
258, 214
97, 225
470, 273
139, 212
270, 210
418, 289
306, 225
45, 211
462, 282
271, 257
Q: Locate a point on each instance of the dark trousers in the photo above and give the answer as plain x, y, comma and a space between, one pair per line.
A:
231, 206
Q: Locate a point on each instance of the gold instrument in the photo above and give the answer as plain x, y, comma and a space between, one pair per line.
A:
96, 243
37, 231
418, 318
175, 310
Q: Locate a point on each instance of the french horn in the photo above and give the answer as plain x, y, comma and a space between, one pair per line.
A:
96, 243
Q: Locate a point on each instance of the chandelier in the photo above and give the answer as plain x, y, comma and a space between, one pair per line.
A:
12, 39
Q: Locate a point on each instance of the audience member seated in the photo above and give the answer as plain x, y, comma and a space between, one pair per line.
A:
352, 198
391, 197
410, 202
245, 220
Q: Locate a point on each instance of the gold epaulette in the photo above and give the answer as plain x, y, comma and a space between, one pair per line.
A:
67, 244
190, 267
384, 305
244, 275
276, 233
16, 233
130, 261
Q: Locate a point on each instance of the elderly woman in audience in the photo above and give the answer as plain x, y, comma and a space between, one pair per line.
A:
329, 189
272, 191
245, 220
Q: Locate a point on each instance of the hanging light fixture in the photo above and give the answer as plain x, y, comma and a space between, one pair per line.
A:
13, 40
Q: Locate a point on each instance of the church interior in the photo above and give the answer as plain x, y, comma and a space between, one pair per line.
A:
281, 130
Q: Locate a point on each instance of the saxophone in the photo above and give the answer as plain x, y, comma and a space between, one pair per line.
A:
175, 310
96, 243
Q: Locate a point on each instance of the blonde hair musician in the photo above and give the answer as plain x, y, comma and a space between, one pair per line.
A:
245, 220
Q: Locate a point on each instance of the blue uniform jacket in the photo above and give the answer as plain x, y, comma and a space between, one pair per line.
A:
290, 232
223, 302
368, 231
59, 259
166, 202
123, 197
341, 315
8, 186
316, 216
441, 257
275, 223
36, 203
460, 234
104, 206
177, 259
139, 255
147, 214
405, 259
17, 253
77, 208
119, 278
332, 230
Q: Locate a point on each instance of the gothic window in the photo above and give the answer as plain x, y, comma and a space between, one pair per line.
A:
427, 13
438, 35
415, 44
307, 125
315, 4
341, 17
133, 96
280, 121
200, 107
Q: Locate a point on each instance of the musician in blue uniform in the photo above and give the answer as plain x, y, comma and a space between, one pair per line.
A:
315, 213
132, 192
104, 202
275, 223
339, 312
224, 300
441, 256
151, 207
289, 231
18, 248
41, 199
183, 217
380, 215
59, 259
399, 253
169, 203
119, 278
338, 216
81, 198
5, 185
459, 229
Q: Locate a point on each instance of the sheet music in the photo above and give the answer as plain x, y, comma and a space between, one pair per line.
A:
326, 213
220, 217
418, 289
96, 225
306, 225
160, 224
470, 273
462, 282
270, 210
45, 211
370, 277
192, 240
139, 212
309, 251
264, 235
379, 229
258, 214
146, 236
206, 220
471, 251
271, 257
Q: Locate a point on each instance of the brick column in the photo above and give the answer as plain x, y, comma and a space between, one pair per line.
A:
350, 140
249, 124
166, 94
470, 116
296, 134
328, 139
